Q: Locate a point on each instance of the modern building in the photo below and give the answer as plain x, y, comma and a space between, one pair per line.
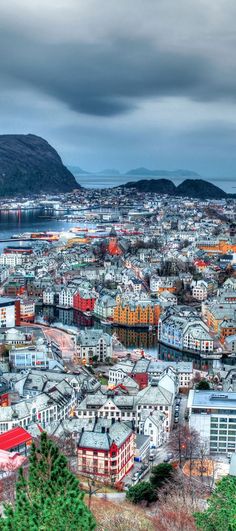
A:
27, 310
9, 312
213, 415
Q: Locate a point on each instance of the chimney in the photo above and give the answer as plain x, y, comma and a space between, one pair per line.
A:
113, 421
108, 429
103, 429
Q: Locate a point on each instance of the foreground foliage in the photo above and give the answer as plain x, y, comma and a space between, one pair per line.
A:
49, 498
221, 511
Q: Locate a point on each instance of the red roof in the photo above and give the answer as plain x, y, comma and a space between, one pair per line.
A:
12, 438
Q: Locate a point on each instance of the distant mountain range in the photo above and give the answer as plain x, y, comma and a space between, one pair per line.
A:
196, 188
139, 172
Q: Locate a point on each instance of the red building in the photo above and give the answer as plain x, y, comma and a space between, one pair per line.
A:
106, 452
141, 378
84, 301
16, 440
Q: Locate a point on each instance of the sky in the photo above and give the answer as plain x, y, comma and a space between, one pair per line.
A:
123, 83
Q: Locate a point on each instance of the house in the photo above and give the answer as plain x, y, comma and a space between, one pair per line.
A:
93, 344
16, 440
153, 425
107, 452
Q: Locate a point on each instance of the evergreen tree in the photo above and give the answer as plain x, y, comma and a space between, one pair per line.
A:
221, 511
161, 473
143, 491
49, 498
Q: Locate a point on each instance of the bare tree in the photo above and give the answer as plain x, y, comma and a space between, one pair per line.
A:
184, 443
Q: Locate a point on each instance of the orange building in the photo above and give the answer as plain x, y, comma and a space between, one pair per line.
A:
227, 328
221, 246
113, 246
137, 313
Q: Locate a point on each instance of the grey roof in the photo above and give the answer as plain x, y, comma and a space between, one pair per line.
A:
154, 395
216, 399
117, 432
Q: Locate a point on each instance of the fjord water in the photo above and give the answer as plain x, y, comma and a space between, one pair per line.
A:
228, 184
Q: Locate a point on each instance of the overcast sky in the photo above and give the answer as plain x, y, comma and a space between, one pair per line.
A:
123, 83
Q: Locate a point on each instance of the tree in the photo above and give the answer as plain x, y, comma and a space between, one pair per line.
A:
49, 496
160, 474
143, 491
203, 385
221, 510
184, 442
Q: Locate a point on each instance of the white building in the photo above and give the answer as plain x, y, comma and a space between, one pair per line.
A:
66, 297
213, 415
153, 425
92, 343
11, 259
7, 312
49, 297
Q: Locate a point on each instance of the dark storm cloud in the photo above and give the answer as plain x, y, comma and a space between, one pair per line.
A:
108, 78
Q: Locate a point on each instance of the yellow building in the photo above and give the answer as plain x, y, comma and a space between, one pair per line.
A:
136, 313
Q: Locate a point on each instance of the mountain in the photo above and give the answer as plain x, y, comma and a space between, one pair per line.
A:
159, 186
196, 188
28, 164
76, 170
162, 173
201, 189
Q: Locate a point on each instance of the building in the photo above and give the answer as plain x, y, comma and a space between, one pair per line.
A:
93, 345
213, 415
181, 328
16, 440
106, 453
27, 310
9, 312
84, 301
137, 313
27, 357
153, 425
113, 245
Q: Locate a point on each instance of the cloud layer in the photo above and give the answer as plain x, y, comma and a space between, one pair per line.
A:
112, 71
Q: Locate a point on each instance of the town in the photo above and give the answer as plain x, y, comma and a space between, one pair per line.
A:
85, 313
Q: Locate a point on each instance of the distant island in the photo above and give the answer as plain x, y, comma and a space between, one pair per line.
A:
196, 188
143, 172
29, 165
138, 172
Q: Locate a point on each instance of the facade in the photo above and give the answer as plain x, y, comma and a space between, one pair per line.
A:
27, 310
29, 357
106, 453
181, 328
153, 426
93, 344
9, 312
84, 301
213, 415
137, 313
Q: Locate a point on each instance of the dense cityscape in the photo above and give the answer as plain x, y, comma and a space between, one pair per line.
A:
118, 334
117, 265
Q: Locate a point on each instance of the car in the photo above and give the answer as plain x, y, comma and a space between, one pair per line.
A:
176, 419
166, 459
